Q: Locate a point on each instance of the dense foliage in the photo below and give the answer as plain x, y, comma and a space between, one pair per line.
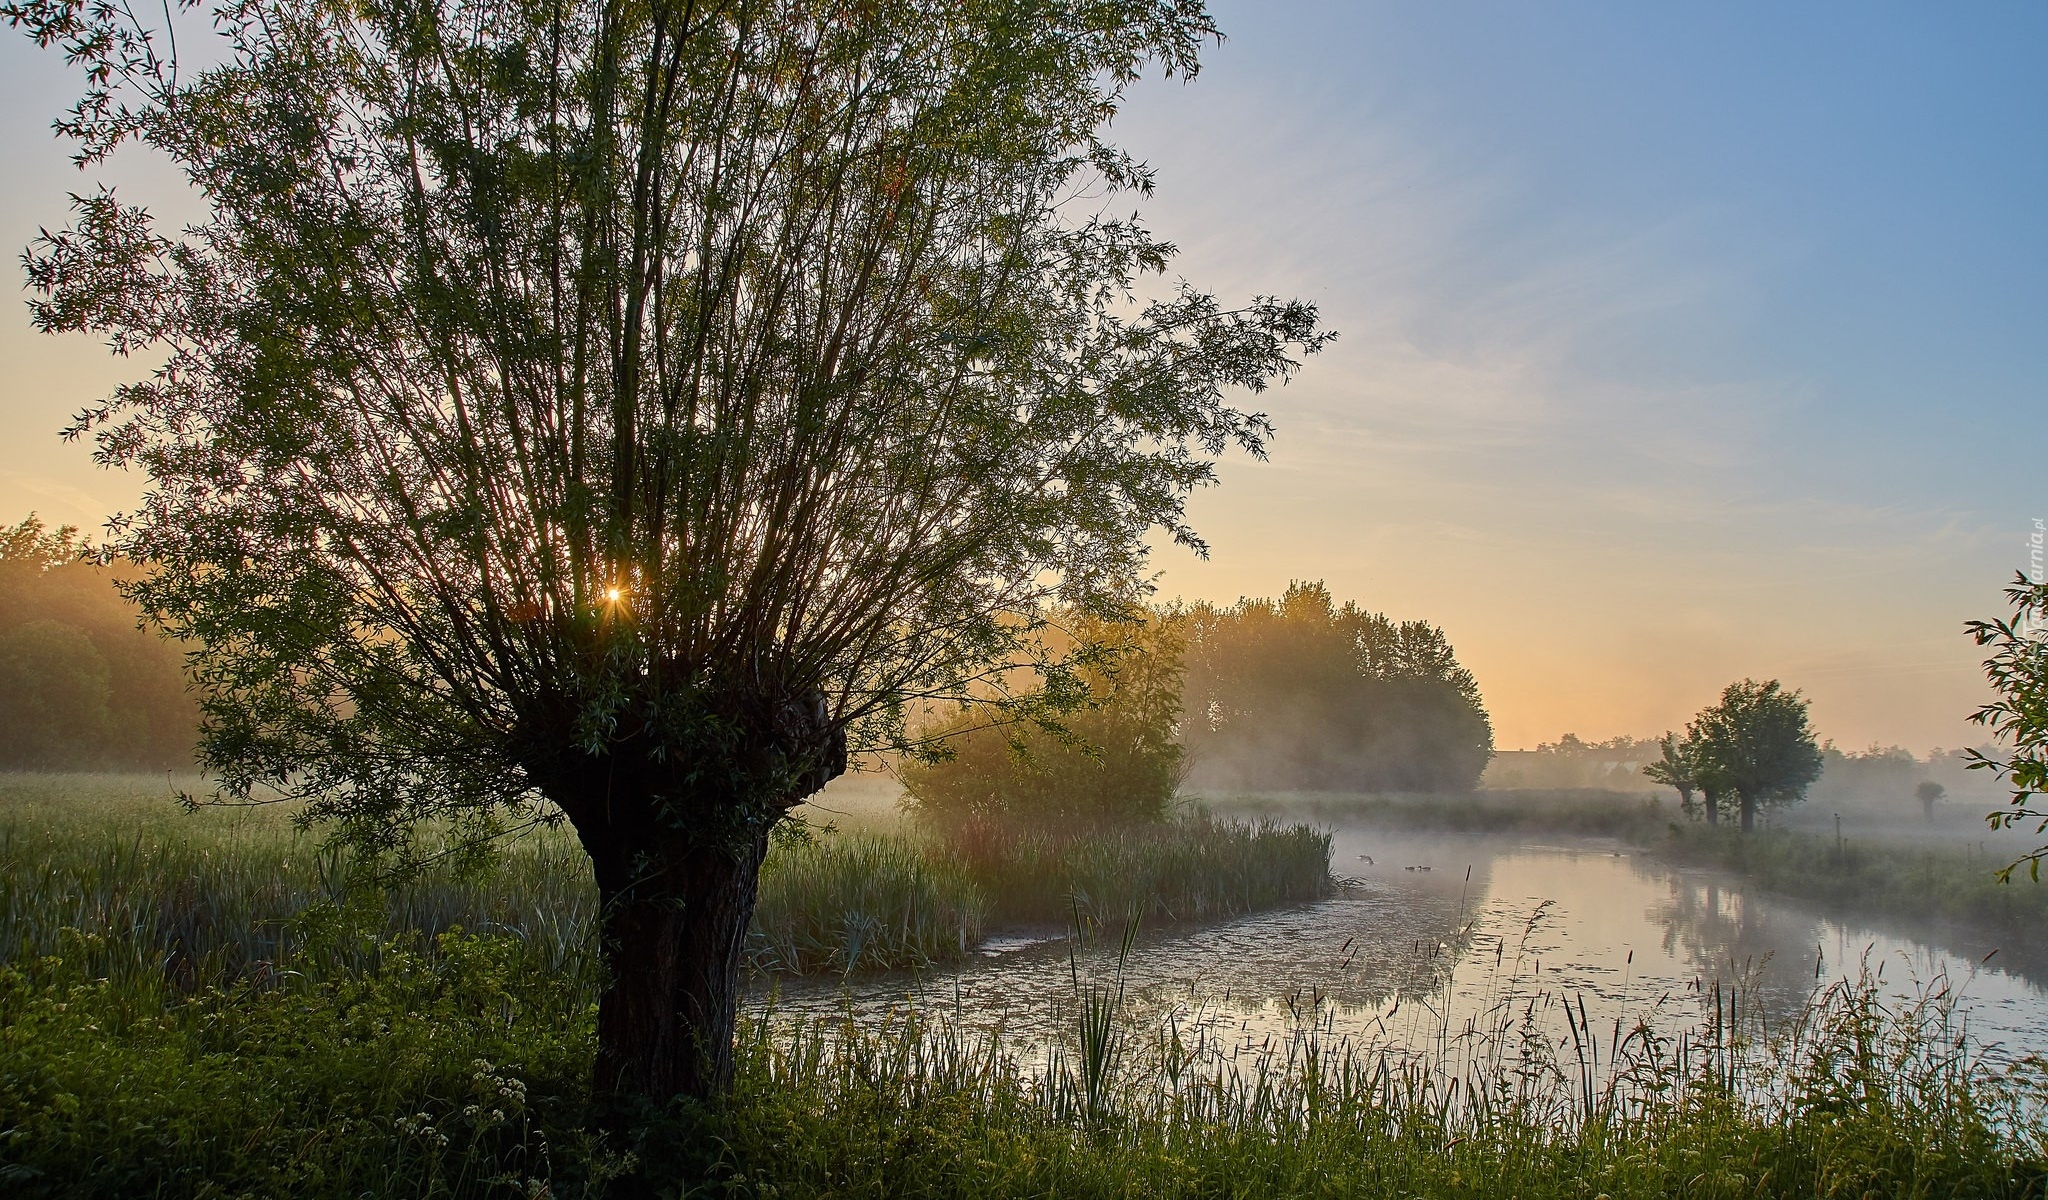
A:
2018, 670
1756, 743
1301, 693
633, 407
1108, 755
1753, 745
81, 684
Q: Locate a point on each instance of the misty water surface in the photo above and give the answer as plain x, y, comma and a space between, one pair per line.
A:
1404, 957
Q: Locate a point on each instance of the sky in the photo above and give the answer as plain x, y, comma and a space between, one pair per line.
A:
1679, 344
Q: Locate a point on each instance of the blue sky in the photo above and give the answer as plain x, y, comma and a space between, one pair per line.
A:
1679, 343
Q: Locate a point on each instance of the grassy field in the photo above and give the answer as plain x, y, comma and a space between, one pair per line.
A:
1942, 879
224, 893
196, 1006
1951, 882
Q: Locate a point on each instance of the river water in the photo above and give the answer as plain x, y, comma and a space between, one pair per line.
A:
1432, 937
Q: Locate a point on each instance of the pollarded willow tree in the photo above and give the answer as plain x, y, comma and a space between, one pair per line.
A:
1756, 742
622, 405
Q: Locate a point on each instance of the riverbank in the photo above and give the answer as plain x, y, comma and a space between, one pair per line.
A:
1946, 880
462, 1074
843, 902
175, 1040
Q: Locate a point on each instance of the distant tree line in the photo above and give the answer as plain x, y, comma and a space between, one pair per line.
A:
1294, 694
1301, 693
81, 686
1572, 762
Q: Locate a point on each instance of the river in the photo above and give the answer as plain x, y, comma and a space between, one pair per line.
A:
1434, 937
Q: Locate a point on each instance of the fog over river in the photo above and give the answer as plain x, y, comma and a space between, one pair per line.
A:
1403, 957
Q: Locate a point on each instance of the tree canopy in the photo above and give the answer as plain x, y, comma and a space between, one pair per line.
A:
1111, 757
81, 686
634, 405
1303, 693
1756, 742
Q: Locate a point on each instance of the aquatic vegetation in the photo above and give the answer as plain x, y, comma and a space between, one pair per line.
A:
864, 900
1194, 869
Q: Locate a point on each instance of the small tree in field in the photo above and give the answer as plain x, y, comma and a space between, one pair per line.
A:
2018, 670
1674, 769
621, 411
1756, 742
1929, 793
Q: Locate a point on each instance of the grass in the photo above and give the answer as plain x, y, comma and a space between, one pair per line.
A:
220, 895
351, 1048
1853, 1100
1945, 882
1196, 869
461, 1074
864, 900
1942, 881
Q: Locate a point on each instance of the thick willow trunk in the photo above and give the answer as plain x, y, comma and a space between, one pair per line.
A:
678, 867
1748, 811
1712, 800
673, 930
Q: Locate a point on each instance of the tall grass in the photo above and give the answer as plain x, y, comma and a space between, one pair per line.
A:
181, 909
222, 895
864, 900
1189, 870
1854, 1100
344, 1053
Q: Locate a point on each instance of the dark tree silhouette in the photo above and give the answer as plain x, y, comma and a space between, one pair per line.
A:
1674, 769
633, 406
1929, 793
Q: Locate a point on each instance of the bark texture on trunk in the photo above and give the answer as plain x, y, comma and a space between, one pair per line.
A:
1712, 800
1748, 811
673, 933
676, 836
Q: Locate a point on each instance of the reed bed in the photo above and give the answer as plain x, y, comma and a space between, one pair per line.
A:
211, 897
1195, 869
864, 900
1854, 1099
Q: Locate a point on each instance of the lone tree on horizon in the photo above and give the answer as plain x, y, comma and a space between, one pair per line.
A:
1929, 793
633, 406
1756, 742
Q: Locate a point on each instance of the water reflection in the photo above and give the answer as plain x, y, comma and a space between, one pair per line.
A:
1406, 956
